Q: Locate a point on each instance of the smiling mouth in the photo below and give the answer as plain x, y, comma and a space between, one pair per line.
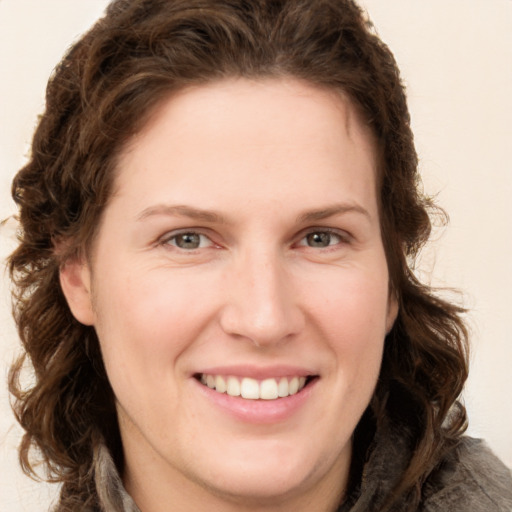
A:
252, 389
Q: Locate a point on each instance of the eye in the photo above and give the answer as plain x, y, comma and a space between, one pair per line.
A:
188, 240
321, 239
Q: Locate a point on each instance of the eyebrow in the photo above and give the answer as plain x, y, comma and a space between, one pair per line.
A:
182, 211
331, 211
214, 217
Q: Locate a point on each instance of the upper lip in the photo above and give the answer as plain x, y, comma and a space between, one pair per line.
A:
258, 372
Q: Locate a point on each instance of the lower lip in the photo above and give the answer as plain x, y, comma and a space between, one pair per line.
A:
258, 411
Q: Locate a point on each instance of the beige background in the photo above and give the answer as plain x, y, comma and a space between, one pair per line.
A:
456, 59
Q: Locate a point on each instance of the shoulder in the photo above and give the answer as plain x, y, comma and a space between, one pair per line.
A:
470, 477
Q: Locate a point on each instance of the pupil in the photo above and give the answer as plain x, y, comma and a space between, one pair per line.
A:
188, 241
319, 239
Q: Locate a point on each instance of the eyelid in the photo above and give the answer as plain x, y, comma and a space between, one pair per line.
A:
345, 236
170, 235
341, 233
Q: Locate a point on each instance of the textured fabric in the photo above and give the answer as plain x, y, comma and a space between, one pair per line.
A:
111, 492
470, 479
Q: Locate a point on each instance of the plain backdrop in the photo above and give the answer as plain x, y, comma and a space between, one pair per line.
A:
456, 60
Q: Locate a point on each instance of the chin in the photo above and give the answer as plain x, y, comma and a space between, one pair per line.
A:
259, 485
270, 472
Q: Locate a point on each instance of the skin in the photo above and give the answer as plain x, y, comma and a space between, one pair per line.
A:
275, 161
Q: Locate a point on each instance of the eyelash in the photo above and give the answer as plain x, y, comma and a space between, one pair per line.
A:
168, 239
342, 237
171, 238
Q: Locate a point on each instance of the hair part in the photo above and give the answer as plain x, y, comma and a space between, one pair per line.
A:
101, 94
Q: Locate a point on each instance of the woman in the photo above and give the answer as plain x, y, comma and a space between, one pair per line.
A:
213, 280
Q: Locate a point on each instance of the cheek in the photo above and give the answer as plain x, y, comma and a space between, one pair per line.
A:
145, 321
144, 325
353, 319
354, 306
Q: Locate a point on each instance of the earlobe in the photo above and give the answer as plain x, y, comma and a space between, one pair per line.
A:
75, 281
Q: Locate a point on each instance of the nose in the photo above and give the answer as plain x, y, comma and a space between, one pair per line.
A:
261, 304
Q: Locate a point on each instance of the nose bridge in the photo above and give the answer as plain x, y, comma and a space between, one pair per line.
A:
260, 304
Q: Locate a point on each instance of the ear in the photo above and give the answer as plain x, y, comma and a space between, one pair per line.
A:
75, 281
392, 312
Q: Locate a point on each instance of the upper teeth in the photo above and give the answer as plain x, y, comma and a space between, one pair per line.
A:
268, 389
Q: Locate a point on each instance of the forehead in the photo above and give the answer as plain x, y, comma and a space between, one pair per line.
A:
250, 102
251, 131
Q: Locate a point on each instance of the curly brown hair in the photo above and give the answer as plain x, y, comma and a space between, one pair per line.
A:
102, 93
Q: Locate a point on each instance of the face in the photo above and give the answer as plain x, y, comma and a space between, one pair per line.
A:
239, 289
